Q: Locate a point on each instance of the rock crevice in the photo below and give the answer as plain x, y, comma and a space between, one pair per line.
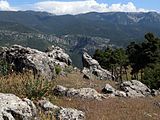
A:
93, 69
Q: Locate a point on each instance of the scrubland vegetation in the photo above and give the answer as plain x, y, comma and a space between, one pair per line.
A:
138, 61
109, 109
142, 58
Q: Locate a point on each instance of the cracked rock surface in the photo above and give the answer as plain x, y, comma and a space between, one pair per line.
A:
14, 108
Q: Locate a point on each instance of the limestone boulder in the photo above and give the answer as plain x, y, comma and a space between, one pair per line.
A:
92, 68
61, 113
14, 108
60, 57
70, 114
41, 63
112, 92
135, 88
83, 93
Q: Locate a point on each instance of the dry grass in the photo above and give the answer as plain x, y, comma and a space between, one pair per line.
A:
46, 116
115, 108
76, 80
24, 85
108, 109
14, 84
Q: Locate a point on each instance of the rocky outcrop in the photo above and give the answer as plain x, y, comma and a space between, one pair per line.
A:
135, 88
60, 112
59, 56
155, 92
14, 108
41, 63
47, 105
92, 68
84, 93
131, 89
112, 92
108, 89
70, 114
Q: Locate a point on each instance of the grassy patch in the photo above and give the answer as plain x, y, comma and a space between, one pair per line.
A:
108, 109
58, 69
24, 85
114, 108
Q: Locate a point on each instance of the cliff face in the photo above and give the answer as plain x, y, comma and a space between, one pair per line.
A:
72, 44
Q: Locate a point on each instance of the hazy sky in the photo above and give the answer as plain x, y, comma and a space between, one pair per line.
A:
81, 6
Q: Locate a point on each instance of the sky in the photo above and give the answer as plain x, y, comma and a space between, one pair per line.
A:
61, 7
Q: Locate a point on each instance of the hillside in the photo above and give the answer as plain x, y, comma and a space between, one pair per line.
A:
73, 44
119, 27
44, 85
108, 109
74, 33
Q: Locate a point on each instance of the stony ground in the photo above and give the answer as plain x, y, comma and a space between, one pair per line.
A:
116, 109
108, 109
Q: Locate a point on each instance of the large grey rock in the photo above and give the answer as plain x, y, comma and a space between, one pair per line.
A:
155, 92
14, 108
108, 89
70, 114
60, 90
119, 93
135, 88
59, 56
47, 105
84, 93
92, 68
131, 88
41, 63
60, 112
112, 92
87, 73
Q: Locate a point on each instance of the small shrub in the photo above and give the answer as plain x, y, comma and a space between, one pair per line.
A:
46, 116
68, 69
4, 67
36, 89
58, 69
152, 77
24, 85
14, 83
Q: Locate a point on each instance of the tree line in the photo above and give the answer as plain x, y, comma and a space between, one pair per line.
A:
140, 61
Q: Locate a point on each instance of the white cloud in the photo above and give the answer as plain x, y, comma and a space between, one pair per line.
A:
72, 7
83, 6
4, 5
130, 7
76, 7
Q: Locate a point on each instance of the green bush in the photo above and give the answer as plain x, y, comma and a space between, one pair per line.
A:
152, 77
4, 67
68, 69
37, 88
58, 69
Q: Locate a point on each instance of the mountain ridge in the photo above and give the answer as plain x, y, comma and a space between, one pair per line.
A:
90, 30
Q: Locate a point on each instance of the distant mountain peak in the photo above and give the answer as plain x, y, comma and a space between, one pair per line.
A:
116, 26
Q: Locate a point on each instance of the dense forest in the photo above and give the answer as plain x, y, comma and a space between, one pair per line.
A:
139, 61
